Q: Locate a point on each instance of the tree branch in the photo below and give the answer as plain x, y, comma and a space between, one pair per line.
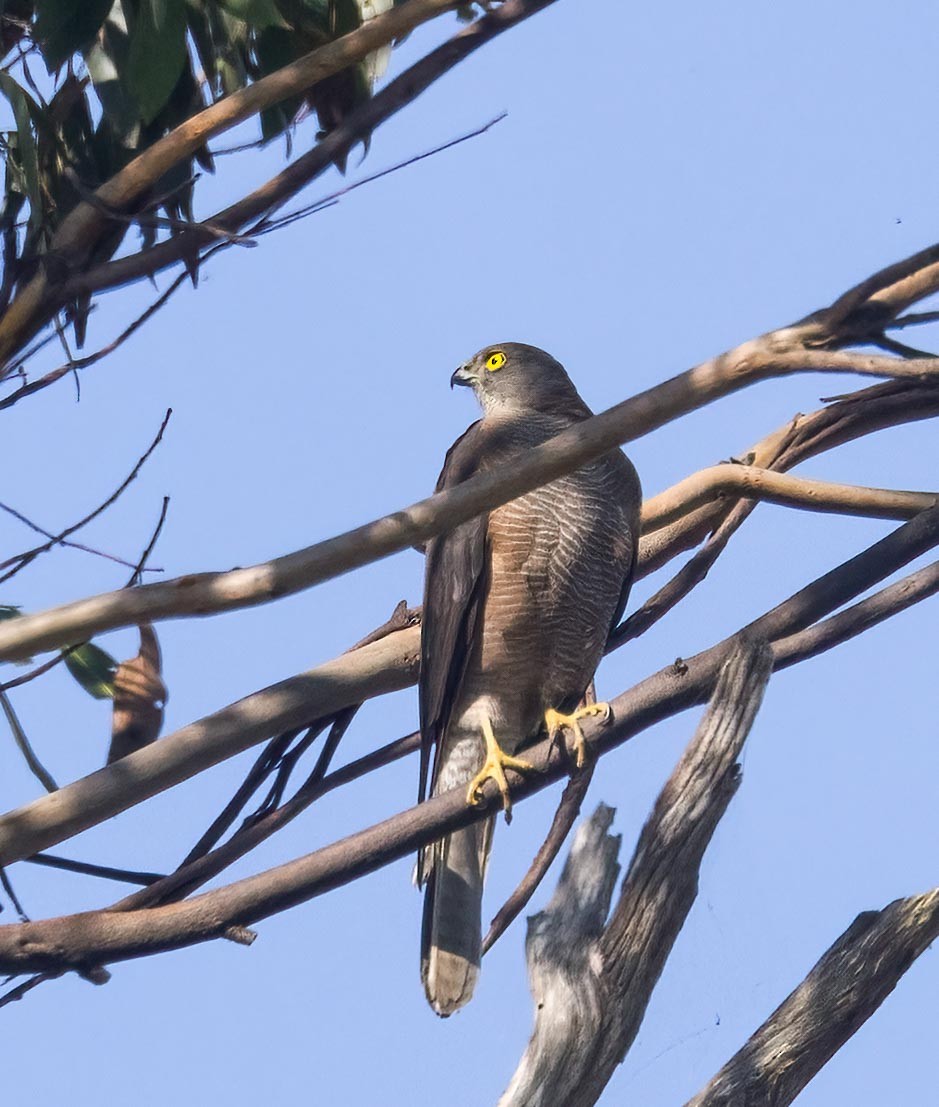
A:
94, 937
207, 593
381, 667
838, 996
20, 561
776, 488
591, 983
35, 304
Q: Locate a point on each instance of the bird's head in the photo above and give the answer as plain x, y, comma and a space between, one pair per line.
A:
510, 377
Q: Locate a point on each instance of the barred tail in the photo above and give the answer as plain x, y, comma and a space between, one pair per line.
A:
451, 939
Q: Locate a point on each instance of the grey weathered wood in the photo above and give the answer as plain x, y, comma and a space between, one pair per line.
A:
591, 982
837, 997
560, 948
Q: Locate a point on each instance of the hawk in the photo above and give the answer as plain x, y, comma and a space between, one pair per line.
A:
518, 604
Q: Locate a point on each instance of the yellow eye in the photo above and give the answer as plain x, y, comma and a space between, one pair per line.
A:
495, 361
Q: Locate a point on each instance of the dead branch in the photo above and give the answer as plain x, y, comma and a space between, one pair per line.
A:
94, 937
837, 997
73, 365
591, 984
23, 744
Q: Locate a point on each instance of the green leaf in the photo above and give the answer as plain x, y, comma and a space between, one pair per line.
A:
9, 611
107, 60
259, 13
157, 55
26, 145
93, 668
66, 26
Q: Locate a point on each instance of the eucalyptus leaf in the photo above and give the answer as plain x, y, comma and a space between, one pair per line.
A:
26, 144
93, 668
9, 611
64, 27
259, 13
156, 56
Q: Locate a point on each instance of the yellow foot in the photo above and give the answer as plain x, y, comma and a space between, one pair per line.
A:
554, 721
497, 761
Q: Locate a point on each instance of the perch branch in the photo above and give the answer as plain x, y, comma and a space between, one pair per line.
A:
384, 666
95, 937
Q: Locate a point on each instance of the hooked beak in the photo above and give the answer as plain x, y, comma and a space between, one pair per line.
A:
462, 376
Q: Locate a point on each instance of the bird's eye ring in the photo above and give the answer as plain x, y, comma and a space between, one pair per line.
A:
495, 361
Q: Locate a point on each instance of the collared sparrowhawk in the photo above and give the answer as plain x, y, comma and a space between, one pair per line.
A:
518, 604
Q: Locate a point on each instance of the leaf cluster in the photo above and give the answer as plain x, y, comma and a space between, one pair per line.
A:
118, 76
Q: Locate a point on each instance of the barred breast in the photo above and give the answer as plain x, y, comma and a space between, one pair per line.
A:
558, 559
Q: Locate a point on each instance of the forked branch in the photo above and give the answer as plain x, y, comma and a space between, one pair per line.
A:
95, 937
592, 982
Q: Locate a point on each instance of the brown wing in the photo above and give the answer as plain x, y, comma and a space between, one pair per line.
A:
454, 586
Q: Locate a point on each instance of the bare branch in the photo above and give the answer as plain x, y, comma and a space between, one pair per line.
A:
838, 996
83, 226
847, 418
777, 488
206, 593
30, 387
22, 560
63, 541
88, 868
592, 984
102, 936
381, 667
391, 664
567, 811
36, 767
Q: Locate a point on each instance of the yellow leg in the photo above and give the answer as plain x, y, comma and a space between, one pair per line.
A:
497, 761
554, 721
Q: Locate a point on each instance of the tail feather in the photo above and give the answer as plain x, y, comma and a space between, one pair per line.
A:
451, 939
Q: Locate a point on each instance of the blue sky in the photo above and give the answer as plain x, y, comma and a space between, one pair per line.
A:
670, 180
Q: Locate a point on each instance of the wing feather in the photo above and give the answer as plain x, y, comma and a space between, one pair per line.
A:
454, 592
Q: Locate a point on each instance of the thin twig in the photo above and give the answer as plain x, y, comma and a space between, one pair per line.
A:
140, 567
567, 811
36, 767
150, 219
65, 542
33, 673
88, 868
11, 894
90, 359
914, 319
266, 225
21, 990
24, 559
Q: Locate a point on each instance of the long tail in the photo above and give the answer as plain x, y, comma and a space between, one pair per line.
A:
451, 939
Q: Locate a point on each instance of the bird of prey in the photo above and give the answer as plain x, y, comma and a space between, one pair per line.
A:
518, 604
